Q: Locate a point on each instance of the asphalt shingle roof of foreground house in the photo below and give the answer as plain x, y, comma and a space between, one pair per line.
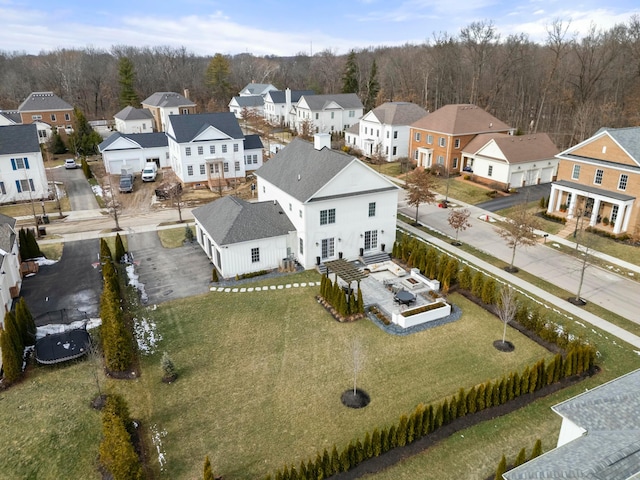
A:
232, 220
187, 127
19, 139
145, 140
609, 449
167, 99
43, 101
300, 170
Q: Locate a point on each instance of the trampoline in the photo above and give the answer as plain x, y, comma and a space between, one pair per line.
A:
62, 347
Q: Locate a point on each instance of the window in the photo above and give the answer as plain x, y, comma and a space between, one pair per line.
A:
372, 209
185, 111
290, 207
490, 172
352, 113
187, 151
614, 213
455, 162
395, 134
440, 160
67, 117
332, 114
255, 255
224, 149
575, 175
429, 139
42, 133
415, 154
365, 130
327, 216
300, 213
255, 158
236, 166
417, 136
442, 141
53, 117
328, 250
378, 133
317, 116
301, 246
598, 178
200, 150
25, 185
387, 133
2, 189
235, 147
203, 170
622, 182
225, 168
371, 240
456, 143
395, 150
36, 117
386, 150
212, 149
189, 170
20, 163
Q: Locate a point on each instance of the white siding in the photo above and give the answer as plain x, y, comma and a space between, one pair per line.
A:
34, 174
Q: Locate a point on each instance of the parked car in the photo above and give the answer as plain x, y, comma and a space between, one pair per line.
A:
70, 163
149, 172
126, 180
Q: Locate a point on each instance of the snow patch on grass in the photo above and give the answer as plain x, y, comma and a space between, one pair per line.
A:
156, 437
146, 335
134, 281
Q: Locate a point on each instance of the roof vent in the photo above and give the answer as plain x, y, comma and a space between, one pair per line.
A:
275, 202
298, 177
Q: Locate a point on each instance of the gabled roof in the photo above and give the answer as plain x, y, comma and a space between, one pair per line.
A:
167, 99
461, 119
279, 96
610, 446
12, 116
355, 128
516, 149
628, 139
19, 139
131, 113
43, 101
300, 170
143, 140
248, 101
230, 220
344, 100
251, 142
187, 127
399, 113
258, 88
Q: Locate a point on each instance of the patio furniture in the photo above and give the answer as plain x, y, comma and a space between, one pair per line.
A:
404, 297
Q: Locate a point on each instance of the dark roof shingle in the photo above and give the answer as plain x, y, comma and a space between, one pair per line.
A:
19, 139
43, 101
187, 127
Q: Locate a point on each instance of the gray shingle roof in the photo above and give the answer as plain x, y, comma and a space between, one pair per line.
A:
300, 170
279, 96
43, 101
131, 113
19, 139
610, 448
249, 101
12, 115
187, 127
145, 140
517, 148
355, 128
595, 190
230, 220
399, 113
251, 142
167, 99
628, 138
257, 88
345, 100
7, 236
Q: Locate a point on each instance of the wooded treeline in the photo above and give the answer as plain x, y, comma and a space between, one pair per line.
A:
568, 87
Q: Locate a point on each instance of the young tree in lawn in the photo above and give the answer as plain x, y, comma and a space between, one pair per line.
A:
208, 472
518, 231
12, 350
459, 221
25, 322
506, 308
420, 189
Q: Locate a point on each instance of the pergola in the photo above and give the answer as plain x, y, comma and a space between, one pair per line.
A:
345, 270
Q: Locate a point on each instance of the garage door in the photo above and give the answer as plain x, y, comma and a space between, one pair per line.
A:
516, 179
116, 165
546, 175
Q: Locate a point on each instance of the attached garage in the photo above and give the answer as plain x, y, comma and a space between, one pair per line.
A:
516, 179
546, 176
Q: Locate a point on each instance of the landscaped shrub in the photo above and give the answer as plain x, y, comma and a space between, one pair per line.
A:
208, 472
117, 454
402, 431
465, 278
520, 458
25, 323
537, 450
488, 294
502, 468
477, 282
376, 444
120, 251
12, 350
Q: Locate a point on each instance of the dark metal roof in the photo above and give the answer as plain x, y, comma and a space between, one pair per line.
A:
187, 127
231, 220
19, 139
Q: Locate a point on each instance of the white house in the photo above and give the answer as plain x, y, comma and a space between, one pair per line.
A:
327, 113
511, 161
598, 437
10, 278
134, 150
22, 172
256, 89
385, 130
339, 206
207, 149
279, 104
251, 104
241, 237
163, 104
134, 120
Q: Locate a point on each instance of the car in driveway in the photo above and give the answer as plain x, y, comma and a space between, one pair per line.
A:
70, 163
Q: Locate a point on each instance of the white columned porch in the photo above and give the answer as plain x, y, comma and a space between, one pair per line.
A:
594, 212
554, 199
627, 216
572, 205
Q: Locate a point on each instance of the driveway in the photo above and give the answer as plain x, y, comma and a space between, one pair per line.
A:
72, 284
525, 194
79, 191
169, 273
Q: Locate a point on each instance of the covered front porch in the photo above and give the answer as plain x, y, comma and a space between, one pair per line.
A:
595, 204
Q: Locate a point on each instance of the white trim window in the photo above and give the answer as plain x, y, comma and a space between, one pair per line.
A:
372, 209
622, 181
328, 248
429, 139
417, 136
187, 151
190, 170
200, 150
597, 180
255, 255
490, 171
575, 173
203, 170
456, 143
442, 142
327, 216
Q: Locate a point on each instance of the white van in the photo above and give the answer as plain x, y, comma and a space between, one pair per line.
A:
149, 172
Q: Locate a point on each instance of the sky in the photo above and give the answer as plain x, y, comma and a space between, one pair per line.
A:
285, 27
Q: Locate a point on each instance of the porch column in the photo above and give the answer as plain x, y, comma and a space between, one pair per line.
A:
572, 205
552, 199
627, 216
594, 213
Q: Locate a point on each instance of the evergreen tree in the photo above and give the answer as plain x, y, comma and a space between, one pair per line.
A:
126, 80
521, 458
120, 251
418, 419
401, 432
84, 140
477, 283
327, 467
350, 75
86, 169
335, 462
26, 324
345, 462
461, 403
208, 472
537, 449
502, 468
480, 398
373, 88
384, 440
489, 291
117, 453
33, 250
465, 277
360, 300
217, 78
437, 418
488, 395
393, 437
472, 400
376, 444
12, 353
367, 447
23, 249
56, 144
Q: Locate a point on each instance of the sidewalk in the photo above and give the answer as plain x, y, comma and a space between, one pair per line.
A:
547, 297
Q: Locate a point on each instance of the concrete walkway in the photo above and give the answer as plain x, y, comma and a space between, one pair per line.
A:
550, 299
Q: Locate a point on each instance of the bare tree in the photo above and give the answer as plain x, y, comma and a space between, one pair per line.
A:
459, 221
112, 203
420, 189
506, 309
519, 230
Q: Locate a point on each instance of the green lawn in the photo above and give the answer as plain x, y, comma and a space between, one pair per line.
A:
27, 209
462, 191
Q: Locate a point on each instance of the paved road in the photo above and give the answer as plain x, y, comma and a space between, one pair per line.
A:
525, 194
607, 289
